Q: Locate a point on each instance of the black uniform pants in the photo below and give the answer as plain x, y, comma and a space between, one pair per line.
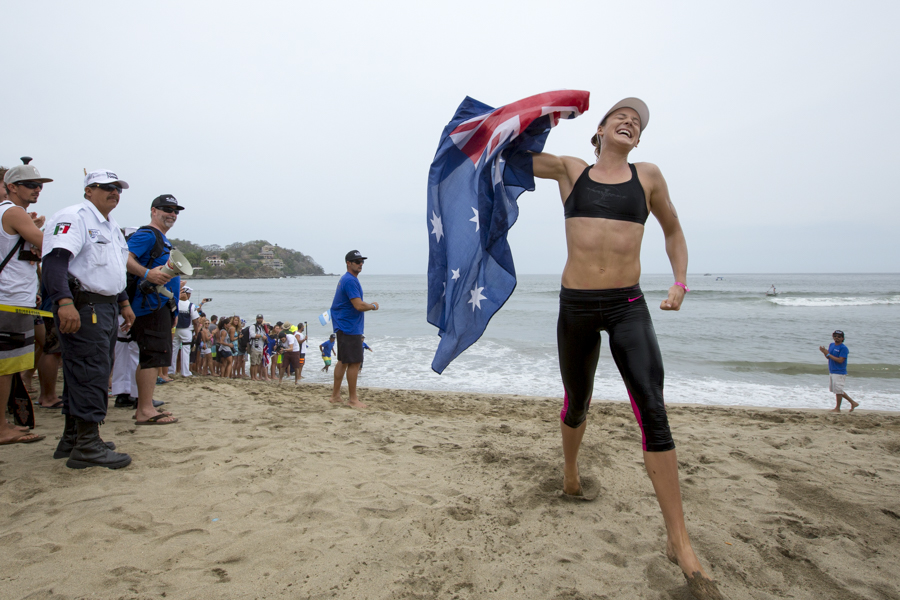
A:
87, 360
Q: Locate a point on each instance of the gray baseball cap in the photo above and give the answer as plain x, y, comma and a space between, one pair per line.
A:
24, 173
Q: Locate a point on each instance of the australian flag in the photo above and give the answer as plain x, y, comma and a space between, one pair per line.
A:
482, 165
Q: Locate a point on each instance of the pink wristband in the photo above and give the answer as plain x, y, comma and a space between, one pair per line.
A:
681, 285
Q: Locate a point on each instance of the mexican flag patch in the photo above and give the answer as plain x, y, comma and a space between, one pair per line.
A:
61, 228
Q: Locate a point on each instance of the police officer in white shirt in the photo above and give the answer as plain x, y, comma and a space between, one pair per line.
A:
84, 255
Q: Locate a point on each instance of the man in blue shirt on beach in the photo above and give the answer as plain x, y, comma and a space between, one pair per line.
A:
347, 310
149, 250
837, 354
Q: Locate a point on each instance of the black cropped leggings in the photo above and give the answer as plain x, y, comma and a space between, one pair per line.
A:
623, 314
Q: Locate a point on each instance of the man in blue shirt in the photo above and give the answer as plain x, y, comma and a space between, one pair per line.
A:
837, 354
347, 310
149, 250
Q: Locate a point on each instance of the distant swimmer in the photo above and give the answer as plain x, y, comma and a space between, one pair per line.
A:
837, 354
606, 206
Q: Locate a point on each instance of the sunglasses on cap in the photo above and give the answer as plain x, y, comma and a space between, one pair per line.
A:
31, 185
169, 209
107, 187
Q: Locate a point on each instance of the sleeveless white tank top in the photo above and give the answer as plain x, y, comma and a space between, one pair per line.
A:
18, 280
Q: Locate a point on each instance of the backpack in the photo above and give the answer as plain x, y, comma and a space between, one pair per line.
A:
184, 318
159, 248
244, 340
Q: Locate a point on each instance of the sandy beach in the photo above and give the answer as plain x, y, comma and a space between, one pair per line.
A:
267, 491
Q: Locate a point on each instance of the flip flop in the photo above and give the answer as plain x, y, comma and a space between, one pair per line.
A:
21, 439
155, 420
163, 413
57, 405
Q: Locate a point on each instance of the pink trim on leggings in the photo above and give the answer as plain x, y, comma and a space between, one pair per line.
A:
637, 415
562, 413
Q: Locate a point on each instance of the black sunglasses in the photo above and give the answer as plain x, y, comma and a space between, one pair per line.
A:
357, 262
31, 185
108, 187
168, 209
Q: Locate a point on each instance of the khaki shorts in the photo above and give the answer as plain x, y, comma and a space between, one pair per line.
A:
255, 357
836, 383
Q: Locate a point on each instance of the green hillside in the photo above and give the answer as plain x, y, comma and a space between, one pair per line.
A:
246, 261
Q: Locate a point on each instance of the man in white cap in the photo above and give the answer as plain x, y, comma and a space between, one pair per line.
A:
185, 325
84, 255
20, 239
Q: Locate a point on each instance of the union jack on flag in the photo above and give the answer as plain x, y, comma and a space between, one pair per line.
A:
482, 165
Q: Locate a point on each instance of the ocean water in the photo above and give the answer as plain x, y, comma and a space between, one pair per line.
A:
729, 345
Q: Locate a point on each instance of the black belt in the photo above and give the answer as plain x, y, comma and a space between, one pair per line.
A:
81, 298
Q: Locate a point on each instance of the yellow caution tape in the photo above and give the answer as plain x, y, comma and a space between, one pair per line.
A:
25, 311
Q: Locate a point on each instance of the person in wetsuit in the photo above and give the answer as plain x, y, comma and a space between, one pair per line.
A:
606, 206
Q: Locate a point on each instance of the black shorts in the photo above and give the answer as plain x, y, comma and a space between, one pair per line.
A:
153, 334
349, 348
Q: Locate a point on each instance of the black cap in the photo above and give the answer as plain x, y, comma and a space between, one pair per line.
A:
838, 332
355, 255
166, 200
259, 316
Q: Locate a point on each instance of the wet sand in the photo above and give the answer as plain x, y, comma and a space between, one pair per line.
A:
267, 491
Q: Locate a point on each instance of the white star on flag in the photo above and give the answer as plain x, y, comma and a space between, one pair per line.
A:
438, 226
476, 298
455, 274
475, 218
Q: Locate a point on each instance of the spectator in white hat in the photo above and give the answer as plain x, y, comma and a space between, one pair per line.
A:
185, 325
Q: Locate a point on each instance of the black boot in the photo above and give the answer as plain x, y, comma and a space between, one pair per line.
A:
90, 451
67, 441
125, 401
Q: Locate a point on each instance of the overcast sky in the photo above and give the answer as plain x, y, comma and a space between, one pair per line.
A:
313, 124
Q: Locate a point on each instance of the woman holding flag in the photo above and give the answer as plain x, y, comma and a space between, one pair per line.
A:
606, 205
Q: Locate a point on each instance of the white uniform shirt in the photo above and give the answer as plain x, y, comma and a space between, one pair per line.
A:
185, 306
97, 245
18, 280
186, 334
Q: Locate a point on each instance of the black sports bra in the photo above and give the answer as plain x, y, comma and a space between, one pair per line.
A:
618, 201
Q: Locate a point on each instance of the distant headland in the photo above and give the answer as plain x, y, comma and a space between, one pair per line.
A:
250, 260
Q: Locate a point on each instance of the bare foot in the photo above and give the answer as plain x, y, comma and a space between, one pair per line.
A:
14, 436
699, 583
837, 410
572, 484
355, 403
336, 400
853, 404
22, 428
